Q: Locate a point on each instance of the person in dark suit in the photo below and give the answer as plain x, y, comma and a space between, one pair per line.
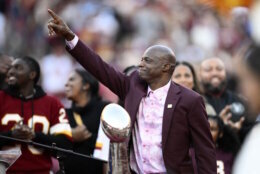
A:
166, 118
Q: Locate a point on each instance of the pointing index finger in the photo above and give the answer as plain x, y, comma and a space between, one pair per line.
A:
53, 15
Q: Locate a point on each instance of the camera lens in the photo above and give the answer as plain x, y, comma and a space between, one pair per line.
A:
237, 108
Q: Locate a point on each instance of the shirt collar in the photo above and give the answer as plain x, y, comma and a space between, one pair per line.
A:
164, 88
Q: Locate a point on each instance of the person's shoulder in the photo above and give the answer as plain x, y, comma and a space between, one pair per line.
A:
2, 96
101, 103
234, 96
134, 75
188, 93
188, 97
7, 99
3, 93
51, 99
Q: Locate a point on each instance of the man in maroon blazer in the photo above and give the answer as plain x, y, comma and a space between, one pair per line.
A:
161, 133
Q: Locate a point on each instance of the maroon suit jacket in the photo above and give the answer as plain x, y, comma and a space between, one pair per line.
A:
185, 124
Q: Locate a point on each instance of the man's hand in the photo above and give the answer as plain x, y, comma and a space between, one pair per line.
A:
226, 115
22, 131
5, 64
57, 26
236, 126
80, 133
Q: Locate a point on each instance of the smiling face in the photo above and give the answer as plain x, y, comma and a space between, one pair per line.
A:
19, 74
213, 75
74, 86
183, 75
156, 64
150, 67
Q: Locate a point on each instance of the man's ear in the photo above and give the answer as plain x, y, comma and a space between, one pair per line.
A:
168, 67
32, 75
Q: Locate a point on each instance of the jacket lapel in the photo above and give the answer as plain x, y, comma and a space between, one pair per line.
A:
139, 92
172, 99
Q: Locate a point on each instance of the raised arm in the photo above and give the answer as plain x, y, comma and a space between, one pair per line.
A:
113, 79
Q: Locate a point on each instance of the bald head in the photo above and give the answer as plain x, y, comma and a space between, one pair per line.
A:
213, 75
162, 52
212, 61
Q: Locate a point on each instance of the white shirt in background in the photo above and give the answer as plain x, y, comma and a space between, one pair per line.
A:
248, 160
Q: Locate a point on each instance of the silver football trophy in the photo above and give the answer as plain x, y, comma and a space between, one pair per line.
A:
115, 122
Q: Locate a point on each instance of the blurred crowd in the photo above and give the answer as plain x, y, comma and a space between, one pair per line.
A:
119, 31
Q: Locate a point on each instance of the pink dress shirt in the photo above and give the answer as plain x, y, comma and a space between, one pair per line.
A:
146, 154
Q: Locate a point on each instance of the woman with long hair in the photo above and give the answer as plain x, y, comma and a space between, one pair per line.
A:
84, 117
185, 75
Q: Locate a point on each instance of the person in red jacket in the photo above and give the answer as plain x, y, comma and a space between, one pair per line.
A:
27, 113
